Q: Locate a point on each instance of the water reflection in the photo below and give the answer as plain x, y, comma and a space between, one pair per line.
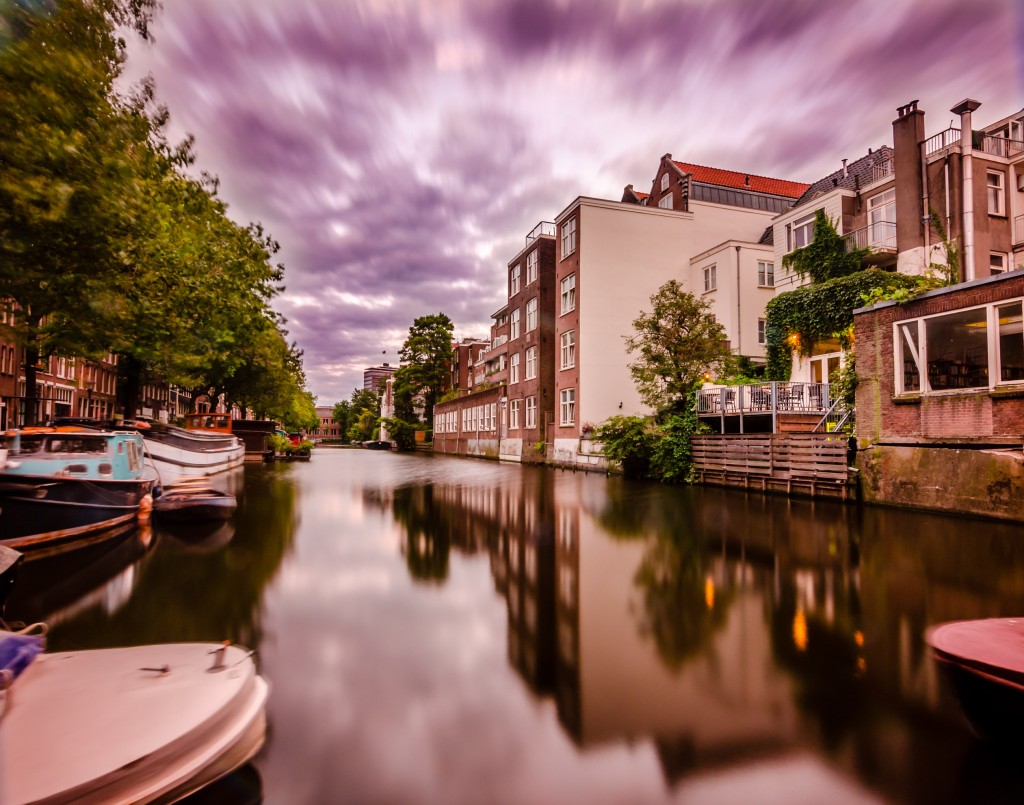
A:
726, 627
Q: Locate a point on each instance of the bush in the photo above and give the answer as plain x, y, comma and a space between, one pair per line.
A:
645, 448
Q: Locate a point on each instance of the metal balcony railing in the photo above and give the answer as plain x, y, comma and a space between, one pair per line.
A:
542, 229
881, 170
1018, 230
765, 398
1001, 146
880, 236
944, 139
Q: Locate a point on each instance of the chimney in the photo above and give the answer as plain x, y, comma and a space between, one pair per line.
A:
964, 109
907, 136
746, 181
845, 172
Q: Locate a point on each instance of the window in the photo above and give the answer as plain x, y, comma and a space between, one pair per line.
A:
966, 349
569, 349
513, 369
882, 220
802, 233
513, 287
568, 406
514, 325
665, 202
765, 274
997, 263
569, 293
531, 363
761, 323
568, 237
531, 267
664, 182
710, 279
531, 412
513, 414
995, 193
531, 314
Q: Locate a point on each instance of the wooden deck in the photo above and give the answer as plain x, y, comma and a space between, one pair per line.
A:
812, 464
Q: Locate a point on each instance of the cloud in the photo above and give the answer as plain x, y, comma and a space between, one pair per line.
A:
400, 151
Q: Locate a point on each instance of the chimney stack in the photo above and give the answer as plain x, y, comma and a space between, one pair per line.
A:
907, 136
964, 109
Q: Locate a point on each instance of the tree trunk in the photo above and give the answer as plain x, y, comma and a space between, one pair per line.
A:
129, 373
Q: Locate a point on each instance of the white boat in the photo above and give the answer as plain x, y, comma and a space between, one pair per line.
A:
140, 724
205, 446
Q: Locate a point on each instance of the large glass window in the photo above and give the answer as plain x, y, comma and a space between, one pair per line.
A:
568, 406
882, 220
569, 293
513, 285
568, 237
531, 412
569, 349
802, 233
531, 314
531, 267
513, 414
996, 197
513, 369
909, 351
1011, 342
514, 325
531, 363
665, 202
957, 349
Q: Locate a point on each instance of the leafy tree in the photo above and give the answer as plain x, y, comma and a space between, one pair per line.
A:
341, 415
366, 400
677, 342
426, 360
363, 427
301, 413
826, 257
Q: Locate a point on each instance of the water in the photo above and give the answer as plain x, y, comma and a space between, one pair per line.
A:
459, 631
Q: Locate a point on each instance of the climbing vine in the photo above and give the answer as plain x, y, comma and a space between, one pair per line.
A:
826, 257
797, 319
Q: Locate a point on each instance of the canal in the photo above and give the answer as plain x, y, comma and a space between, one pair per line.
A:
452, 630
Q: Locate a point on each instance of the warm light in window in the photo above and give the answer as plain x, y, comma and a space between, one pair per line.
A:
794, 340
858, 636
800, 630
709, 592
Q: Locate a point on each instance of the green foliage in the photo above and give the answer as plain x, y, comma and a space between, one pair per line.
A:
363, 426
843, 381
825, 257
798, 319
401, 433
426, 360
677, 341
948, 273
645, 448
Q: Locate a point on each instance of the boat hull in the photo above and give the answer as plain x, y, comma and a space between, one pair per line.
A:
180, 456
194, 504
159, 722
38, 511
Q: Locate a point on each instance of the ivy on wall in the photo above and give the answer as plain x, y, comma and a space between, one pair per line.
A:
797, 319
826, 257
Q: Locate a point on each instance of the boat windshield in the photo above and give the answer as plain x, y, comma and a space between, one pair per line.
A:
76, 444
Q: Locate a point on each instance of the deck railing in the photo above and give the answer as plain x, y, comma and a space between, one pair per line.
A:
1001, 146
880, 170
765, 398
542, 229
879, 235
944, 139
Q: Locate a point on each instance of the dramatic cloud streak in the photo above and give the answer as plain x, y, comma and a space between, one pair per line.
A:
400, 151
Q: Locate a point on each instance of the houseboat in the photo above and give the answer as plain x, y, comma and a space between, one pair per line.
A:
65, 484
205, 446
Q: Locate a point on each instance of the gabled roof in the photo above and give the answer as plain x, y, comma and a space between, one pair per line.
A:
631, 196
742, 181
859, 173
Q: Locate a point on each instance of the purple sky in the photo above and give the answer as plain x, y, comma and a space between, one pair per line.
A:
401, 151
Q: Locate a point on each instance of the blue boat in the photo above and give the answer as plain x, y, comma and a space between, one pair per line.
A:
62, 485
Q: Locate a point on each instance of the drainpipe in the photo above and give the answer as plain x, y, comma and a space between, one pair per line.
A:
964, 109
739, 320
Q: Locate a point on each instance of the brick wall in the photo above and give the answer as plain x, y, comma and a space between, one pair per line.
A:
971, 414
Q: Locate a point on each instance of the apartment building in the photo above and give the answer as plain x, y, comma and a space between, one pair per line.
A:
699, 225
374, 376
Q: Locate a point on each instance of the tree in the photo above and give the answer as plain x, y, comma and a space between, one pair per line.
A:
677, 342
341, 415
426, 361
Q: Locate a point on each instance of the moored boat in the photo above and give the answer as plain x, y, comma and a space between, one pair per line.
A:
205, 446
194, 503
64, 484
139, 724
983, 660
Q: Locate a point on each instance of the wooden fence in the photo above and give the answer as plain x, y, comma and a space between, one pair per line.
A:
796, 463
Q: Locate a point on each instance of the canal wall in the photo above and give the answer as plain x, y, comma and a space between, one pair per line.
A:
580, 453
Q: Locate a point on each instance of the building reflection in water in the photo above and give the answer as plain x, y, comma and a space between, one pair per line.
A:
721, 626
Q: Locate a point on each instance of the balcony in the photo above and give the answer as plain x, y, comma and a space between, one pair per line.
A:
1000, 147
881, 171
760, 398
950, 138
879, 237
1018, 230
543, 229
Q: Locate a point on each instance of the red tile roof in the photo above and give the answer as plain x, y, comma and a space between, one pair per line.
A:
758, 184
639, 195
